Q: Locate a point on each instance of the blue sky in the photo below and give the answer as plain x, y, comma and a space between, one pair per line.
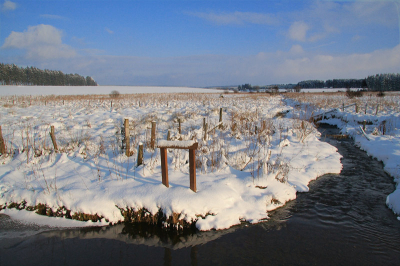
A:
202, 43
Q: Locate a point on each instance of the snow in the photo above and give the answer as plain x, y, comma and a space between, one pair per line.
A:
377, 111
241, 175
32, 218
83, 90
180, 144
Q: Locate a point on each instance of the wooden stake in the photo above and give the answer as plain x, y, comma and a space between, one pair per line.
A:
364, 124
127, 139
220, 118
383, 127
164, 166
53, 138
2, 144
153, 135
377, 108
192, 169
140, 155
179, 126
205, 131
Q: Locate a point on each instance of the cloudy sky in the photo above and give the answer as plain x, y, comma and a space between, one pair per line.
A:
202, 43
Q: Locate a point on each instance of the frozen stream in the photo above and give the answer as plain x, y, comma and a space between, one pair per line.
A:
342, 220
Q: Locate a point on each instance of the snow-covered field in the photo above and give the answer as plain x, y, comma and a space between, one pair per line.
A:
82, 90
253, 163
381, 137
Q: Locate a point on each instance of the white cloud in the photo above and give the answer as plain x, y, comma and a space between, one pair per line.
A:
237, 18
298, 31
263, 68
40, 42
296, 49
53, 17
8, 5
108, 30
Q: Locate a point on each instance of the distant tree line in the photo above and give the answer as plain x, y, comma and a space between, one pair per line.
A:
333, 83
14, 75
384, 82
378, 82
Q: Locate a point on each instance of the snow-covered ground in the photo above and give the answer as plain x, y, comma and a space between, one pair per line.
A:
253, 163
381, 138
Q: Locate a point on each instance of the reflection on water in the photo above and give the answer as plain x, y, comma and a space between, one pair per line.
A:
342, 220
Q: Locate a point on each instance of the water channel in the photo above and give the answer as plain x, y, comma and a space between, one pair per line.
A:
343, 220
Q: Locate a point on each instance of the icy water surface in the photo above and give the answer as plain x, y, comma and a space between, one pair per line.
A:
343, 220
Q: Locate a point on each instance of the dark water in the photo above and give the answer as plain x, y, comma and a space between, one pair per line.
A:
343, 220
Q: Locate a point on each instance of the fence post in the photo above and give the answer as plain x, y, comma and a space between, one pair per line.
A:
205, 131
2, 144
164, 166
53, 138
377, 108
383, 127
342, 107
365, 112
127, 139
153, 135
192, 169
364, 124
220, 118
169, 135
140, 155
179, 126
356, 108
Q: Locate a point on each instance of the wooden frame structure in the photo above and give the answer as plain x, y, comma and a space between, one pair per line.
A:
192, 147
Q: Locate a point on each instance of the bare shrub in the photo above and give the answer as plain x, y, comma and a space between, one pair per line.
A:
114, 94
351, 94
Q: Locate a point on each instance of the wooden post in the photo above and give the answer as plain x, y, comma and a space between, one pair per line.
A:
111, 104
192, 169
179, 126
169, 135
2, 144
205, 131
220, 118
383, 127
140, 155
63, 102
255, 130
356, 108
377, 108
164, 166
343, 107
127, 139
192, 162
153, 135
53, 138
365, 112
364, 124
